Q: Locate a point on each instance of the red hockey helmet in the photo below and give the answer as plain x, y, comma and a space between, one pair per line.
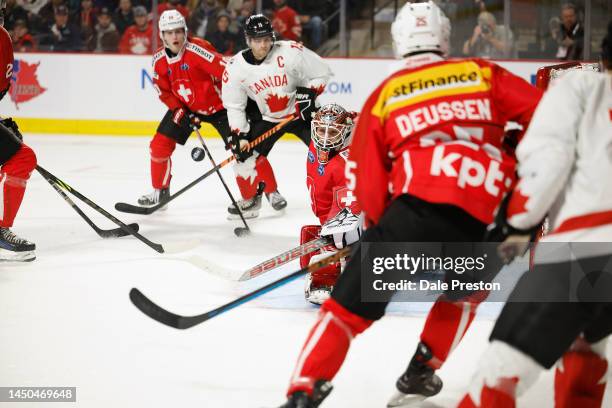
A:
330, 129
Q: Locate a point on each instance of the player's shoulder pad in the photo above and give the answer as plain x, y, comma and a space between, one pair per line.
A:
198, 47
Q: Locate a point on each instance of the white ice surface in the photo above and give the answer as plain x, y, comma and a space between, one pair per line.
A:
66, 320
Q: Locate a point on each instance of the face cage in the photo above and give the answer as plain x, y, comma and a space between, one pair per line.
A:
327, 137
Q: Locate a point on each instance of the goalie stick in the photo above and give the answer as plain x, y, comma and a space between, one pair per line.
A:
163, 316
263, 267
126, 228
136, 209
103, 233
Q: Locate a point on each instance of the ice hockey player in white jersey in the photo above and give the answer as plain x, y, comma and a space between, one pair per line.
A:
262, 85
565, 162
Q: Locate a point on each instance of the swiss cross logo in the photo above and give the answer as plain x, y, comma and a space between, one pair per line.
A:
421, 21
345, 198
184, 92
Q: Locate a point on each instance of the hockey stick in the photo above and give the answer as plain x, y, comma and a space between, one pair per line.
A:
263, 267
155, 312
238, 231
136, 209
104, 233
126, 228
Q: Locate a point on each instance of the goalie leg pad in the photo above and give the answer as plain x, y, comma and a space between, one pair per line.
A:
503, 374
14, 175
580, 376
161, 149
326, 346
307, 234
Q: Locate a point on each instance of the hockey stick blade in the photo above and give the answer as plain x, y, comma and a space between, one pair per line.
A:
134, 209
155, 312
117, 232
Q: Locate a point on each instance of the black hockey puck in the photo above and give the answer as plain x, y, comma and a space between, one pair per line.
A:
198, 154
241, 231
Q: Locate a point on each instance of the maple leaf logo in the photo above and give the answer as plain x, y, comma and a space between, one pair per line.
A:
517, 204
24, 82
277, 103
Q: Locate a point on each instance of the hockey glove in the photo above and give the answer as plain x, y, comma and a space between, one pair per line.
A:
345, 228
10, 123
240, 146
514, 242
305, 103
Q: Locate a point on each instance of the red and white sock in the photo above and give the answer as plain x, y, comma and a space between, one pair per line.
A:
250, 172
326, 346
14, 175
446, 324
161, 149
580, 376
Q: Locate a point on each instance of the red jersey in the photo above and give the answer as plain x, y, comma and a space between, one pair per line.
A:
327, 185
435, 131
190, 79
135, 41
287, 23
6, 61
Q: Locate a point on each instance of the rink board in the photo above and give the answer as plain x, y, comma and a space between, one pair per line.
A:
114, 94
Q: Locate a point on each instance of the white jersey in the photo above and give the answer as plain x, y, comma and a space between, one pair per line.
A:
565, 161
272, 83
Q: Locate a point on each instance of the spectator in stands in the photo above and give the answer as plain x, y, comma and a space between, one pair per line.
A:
223, 39
22, 40
286, 22
310, 14
124, 16
45, 17
173, 5
137, 38
12, 13
572, 34
107, 36
551, 39
203, 18
489, 40
63, 35
86, 19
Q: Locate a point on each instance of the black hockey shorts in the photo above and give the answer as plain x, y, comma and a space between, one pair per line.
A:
181, 132
409, 219
298, 127
9, 144
569, 307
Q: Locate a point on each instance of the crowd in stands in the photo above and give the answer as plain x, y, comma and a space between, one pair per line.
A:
125, 26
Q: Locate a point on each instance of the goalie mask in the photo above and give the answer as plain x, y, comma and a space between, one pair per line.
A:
330, 130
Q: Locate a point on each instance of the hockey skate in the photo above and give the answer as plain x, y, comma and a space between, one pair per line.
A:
250, 208
154, 198
14, 248
417, 383
301, 399
276, 200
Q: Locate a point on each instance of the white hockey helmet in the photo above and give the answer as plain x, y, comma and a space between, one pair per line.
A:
171, 20
420, 27
331, 129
